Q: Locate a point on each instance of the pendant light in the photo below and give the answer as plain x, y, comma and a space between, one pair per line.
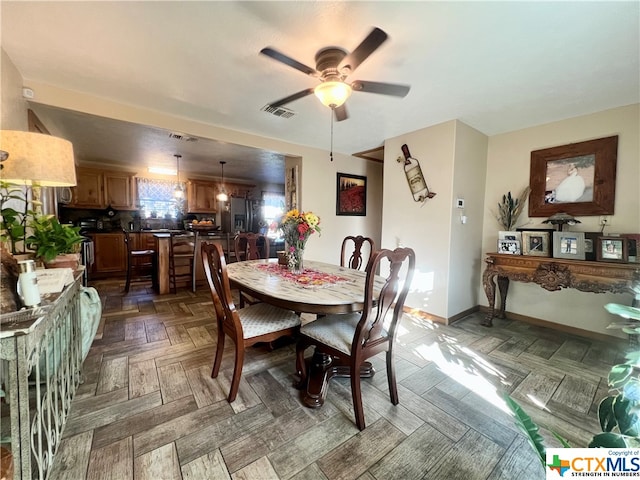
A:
222, 196
179, 191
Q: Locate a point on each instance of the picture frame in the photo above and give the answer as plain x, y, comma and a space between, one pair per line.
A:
509, 235
291, 188
568, 245
578, 179
536, 243
633, 247
509, 247
547, 230
351, 194
612, 249
591, 245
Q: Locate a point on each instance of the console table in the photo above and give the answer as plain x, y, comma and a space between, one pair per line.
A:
41, 361
554, 274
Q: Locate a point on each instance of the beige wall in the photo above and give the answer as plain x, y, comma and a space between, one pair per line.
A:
508, 170
423, 227
453, 160
14, 106
465, 262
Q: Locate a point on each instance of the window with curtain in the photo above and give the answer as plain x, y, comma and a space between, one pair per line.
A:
156, 198
272, 210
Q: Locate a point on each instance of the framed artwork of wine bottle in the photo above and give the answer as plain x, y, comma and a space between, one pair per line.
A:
351, 195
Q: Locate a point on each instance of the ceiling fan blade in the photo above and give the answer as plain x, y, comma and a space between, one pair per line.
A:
362, 51
281, 57
291, 98
341, 113
383, 88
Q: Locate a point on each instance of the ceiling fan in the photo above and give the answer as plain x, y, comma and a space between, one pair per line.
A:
333, 66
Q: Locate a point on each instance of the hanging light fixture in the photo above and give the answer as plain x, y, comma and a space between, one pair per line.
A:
179, 191
222, 196
333, 93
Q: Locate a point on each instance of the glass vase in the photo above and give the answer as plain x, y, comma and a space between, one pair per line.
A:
296, 260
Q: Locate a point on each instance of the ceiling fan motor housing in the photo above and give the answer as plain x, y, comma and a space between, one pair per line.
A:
327, 61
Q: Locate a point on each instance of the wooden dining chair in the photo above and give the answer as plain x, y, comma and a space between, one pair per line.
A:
250, 246
350, 339
141, 263
246, 326
357, 260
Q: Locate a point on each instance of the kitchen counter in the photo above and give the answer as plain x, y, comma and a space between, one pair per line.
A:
162, 248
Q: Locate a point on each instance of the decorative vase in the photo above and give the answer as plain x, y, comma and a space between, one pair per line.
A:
296, 260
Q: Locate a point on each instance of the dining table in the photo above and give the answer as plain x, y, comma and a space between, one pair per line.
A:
320, 289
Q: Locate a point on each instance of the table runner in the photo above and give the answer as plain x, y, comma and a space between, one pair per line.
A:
309, 278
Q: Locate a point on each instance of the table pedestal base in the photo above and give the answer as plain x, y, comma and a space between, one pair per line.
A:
321, 369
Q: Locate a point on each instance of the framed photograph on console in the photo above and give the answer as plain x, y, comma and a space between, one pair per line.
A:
633, 246
591, 245
546, 232
510, 247
612, 249
351, 195
536, 243
578, 179
568, 245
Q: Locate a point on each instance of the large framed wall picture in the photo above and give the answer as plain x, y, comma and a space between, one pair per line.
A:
578, 179
351, 194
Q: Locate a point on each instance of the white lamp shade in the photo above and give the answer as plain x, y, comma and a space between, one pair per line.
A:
222, 197
333, 94
38, 159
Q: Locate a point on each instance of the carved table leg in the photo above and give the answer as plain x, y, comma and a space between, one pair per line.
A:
490, 290
503, 287
321, 369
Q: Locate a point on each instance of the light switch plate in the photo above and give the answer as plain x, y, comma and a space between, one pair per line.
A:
460, 202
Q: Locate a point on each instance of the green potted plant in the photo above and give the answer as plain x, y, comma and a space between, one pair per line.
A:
56, 244
15, 214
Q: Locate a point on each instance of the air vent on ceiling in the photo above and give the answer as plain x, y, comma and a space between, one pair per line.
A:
182, 137
278, 111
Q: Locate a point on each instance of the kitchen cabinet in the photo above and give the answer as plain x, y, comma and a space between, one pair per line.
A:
110, 255
100, 188
119, 190
201, 194
201, 197
89, 190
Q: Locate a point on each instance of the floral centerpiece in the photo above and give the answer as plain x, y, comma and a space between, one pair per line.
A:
297, 227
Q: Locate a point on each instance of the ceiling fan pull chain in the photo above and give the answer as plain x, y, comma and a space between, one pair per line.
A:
331, 151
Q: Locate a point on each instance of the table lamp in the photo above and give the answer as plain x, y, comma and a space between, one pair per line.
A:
35, 159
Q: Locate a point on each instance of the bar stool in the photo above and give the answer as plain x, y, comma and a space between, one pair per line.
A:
182, 259
140, 263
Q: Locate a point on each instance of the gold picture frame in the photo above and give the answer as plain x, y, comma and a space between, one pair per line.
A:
536, 243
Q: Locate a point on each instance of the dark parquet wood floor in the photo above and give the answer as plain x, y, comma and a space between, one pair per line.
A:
148, 408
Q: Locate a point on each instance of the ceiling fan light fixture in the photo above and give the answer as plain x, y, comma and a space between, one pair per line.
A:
333, 94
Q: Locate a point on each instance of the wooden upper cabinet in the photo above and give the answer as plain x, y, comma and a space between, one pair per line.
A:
201, 197
89, 191
201, 194
119, 190
100, 188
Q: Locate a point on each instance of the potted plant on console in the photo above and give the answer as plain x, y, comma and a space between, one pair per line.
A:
57, 245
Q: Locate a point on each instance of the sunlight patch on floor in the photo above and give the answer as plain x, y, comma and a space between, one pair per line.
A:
466, 368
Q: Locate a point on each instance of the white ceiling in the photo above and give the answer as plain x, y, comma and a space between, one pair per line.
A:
497, 66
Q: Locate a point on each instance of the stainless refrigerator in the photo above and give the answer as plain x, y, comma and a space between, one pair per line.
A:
243, 215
